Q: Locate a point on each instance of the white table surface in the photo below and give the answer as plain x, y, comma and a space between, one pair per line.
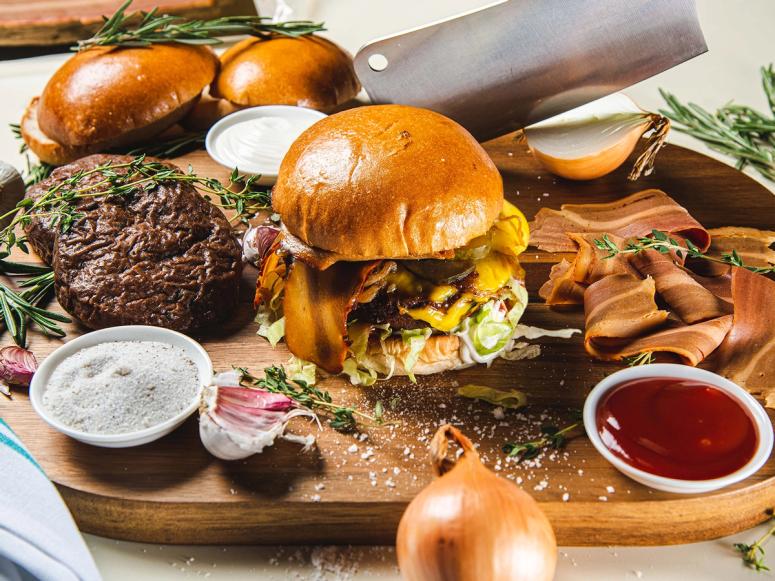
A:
740, 39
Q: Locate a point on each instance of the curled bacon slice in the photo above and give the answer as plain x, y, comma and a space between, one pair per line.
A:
567, 281
747, 355
688, 298
631, 217
618, 309
561, 289
692, 343
316, 305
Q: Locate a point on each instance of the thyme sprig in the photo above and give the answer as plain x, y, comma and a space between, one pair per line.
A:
753, 555
20, 309
664, 244
341, 418
59, 206
172, 147
645, 358
551, 437
735, 130
147, 28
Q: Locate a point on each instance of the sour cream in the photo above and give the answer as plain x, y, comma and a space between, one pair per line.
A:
255, 140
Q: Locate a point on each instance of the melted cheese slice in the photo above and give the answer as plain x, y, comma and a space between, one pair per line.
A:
508, 238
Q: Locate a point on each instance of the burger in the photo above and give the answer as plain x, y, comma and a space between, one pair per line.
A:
108, 97
396, 253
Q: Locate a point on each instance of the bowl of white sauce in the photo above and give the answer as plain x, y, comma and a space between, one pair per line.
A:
122, 386
256, 139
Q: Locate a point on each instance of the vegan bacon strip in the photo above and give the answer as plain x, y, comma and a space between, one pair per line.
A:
631, 217
692, 343
316, 305
688, 298
747, 355
567, 281
617, 310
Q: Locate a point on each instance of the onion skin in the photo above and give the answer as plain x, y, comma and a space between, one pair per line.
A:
470, 525
592, 166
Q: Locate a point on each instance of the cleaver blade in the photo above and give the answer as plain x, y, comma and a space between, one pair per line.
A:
512, 64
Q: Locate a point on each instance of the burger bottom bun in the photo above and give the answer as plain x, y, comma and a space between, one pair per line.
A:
55, 153
441, 353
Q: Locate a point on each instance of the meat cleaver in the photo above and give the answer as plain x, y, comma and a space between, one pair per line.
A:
517, 62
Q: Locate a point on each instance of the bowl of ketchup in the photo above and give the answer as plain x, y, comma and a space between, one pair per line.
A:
678, 428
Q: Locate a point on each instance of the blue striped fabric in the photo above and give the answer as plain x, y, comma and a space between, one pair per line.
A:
8, 438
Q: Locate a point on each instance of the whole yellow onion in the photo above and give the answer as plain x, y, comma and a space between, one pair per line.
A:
470, 525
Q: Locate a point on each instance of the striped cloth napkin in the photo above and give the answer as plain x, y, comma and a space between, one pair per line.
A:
38, 538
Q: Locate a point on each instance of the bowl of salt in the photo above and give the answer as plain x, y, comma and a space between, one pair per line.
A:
121, 386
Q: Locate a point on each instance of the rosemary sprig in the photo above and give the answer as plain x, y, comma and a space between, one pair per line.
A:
59, 203
18, 310
552, 437
735, 130
664, 244
148, 28
341, 418
753, 555
645, 358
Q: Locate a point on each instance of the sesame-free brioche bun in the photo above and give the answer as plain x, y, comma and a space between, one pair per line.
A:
440, 353
106, 97
308, 71
387, 181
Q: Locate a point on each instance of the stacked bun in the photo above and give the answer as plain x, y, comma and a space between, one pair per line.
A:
109, 97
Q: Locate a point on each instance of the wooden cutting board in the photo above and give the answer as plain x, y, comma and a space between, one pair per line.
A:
59, 22
353, 490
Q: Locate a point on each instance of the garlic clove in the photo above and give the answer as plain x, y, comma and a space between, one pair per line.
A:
17, 365
257, 243
595, 139
236, 422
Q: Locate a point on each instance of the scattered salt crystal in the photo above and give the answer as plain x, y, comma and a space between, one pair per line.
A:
407, 451
498, 413
315, 498
368, 453
352, 449
610, 489
320, 486
396, 470
389, 483
565, 497
602, 498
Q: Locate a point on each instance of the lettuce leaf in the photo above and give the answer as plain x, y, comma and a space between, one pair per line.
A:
273, 331
415, 339
301, 370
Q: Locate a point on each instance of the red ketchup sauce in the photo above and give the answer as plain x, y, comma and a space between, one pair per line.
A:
676, 428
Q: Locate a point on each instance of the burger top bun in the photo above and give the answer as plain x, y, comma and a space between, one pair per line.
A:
308, 71
115, 96
387, 181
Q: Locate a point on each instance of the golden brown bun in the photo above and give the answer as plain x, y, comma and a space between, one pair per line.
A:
441, 353
309, 72
387, 181
120, 96
44, 147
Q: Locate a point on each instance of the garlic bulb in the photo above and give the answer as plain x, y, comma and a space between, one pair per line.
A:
257, 242
11, 190
595, 139
470, 525
236, 422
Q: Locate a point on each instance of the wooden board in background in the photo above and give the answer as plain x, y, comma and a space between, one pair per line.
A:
60, 22
172, 491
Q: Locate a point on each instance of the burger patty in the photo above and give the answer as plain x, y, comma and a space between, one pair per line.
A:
163, 256
386, 306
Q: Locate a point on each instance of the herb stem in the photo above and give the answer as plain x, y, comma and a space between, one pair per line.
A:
753, 555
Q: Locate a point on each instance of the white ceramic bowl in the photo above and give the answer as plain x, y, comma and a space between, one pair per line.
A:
756, 412
127, 333
268, 171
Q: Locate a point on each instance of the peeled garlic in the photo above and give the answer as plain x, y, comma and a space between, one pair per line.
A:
236, 422
470, 525
593, 140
